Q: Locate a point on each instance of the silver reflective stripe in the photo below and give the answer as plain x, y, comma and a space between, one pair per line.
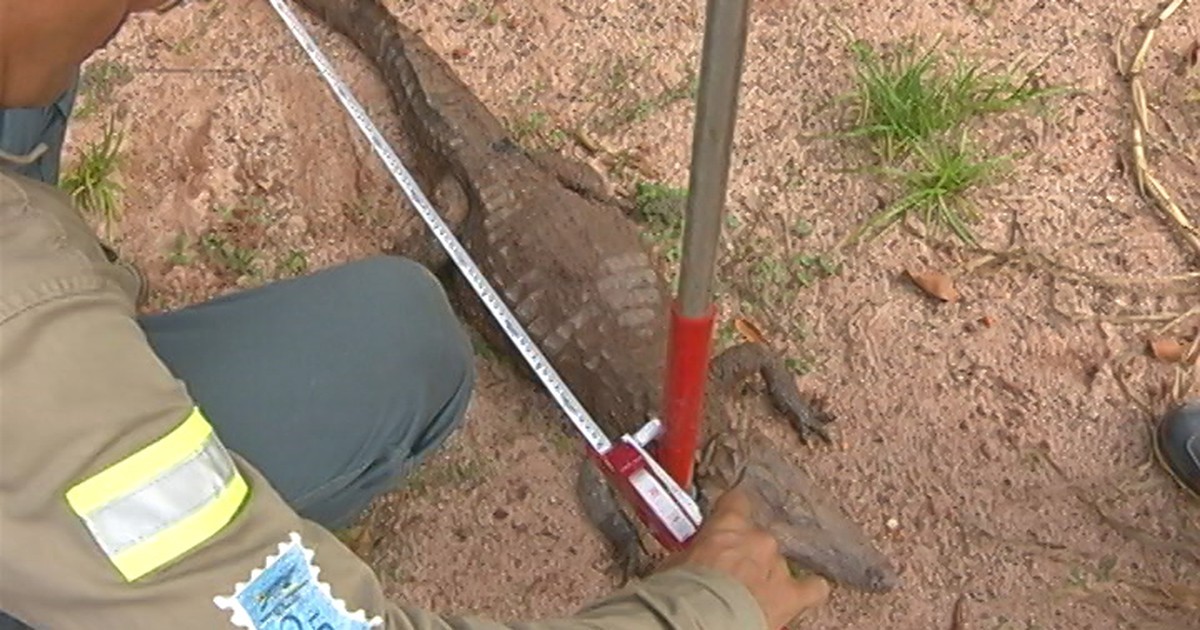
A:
167, 499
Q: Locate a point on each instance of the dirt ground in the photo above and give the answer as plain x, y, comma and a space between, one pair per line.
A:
239, 168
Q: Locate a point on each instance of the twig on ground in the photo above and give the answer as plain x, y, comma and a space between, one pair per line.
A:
958, 617
612, 157
1118, 370
1186, 370
1186, 548
1147, 183
1188, 282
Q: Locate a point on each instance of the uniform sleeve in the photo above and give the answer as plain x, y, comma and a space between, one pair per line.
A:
120, 508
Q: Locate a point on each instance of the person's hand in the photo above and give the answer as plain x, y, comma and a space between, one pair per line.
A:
729, 542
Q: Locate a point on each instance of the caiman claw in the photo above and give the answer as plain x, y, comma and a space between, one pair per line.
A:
805, 419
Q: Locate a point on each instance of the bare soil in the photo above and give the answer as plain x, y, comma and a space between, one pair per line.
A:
240, 168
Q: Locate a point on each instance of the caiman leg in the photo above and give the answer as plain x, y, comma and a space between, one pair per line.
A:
576, 176
452, 204
734, 366
603, 510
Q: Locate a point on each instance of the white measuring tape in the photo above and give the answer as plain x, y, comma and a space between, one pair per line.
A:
533, 355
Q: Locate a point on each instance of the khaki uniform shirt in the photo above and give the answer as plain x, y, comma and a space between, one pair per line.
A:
120, 509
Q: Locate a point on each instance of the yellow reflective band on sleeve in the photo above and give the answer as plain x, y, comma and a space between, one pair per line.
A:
128, 474
162, 501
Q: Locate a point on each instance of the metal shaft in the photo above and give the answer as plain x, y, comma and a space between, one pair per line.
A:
712, 142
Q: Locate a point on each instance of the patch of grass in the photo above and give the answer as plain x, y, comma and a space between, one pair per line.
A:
235, 247
770, 274
801, 227
619, 72
726, 336
483, 349
293, 264
180, 252
808, 268
915, 108
660, 207
982, 8
435, 475
643, 107
221, 251
612, 77
98, 83
934, 188
186, 44
487, 12
532, 124
908, 97
91, 181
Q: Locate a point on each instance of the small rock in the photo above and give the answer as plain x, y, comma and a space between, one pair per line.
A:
892, 524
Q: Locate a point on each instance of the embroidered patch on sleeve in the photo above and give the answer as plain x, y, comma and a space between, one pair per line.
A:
286, 594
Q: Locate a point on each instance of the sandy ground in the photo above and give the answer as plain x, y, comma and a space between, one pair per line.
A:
949, 414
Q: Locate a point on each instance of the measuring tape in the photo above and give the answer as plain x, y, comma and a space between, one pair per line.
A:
670, 513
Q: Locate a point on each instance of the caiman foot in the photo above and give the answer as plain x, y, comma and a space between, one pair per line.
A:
574, 175
735, 365
450, 200
601, 506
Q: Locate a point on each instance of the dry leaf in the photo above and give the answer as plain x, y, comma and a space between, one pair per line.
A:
988, 321
1167, 349
936, 284
749, 330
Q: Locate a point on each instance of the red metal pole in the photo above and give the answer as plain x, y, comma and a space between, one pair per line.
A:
692, 313
687, 374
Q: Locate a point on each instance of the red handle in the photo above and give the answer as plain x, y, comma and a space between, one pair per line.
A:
687, 375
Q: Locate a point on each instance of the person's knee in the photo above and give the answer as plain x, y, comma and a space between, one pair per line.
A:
422, 344
404, 288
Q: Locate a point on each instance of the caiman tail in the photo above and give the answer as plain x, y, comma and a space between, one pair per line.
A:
437, 106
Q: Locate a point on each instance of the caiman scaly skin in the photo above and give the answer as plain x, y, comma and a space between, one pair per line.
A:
574, 269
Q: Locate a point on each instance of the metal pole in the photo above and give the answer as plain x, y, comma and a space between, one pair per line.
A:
712, 143
692, 315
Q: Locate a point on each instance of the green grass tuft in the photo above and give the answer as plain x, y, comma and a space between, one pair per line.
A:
660, 207
915, 107
934, 188
98, 84
91, 183
909, 97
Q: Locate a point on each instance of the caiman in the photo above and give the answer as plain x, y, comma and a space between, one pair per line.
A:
575, 270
